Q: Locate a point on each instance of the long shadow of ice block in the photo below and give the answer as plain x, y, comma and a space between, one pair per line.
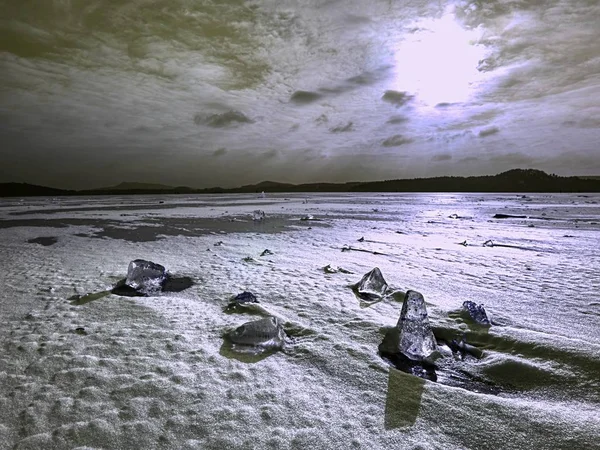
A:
403, 399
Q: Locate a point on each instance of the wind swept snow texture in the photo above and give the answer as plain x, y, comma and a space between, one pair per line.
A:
156, 372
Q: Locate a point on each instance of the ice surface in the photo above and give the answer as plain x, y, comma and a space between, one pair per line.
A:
145, 276
477, 312
372, 284
265, 333
417, 341
157, 373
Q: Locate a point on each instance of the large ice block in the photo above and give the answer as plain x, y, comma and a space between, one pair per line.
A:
417, 341
145, 276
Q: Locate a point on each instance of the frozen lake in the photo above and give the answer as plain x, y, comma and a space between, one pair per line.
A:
155, 372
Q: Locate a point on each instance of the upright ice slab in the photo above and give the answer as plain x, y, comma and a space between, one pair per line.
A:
372, 284
145, 276
417, 341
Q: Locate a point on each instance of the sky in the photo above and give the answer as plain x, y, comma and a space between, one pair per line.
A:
224, 93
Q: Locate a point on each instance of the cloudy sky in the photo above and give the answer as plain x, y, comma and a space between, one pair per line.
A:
223, 93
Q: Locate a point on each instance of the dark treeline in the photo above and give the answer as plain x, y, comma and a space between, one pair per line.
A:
516, 180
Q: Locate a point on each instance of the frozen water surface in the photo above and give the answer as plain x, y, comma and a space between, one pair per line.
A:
153, 372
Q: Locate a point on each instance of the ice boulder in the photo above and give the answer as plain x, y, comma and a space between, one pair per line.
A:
372, 285
258, 335
477, 313
416, 340
145, 277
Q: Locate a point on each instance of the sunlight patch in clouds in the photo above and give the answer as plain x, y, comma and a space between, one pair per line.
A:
438, 61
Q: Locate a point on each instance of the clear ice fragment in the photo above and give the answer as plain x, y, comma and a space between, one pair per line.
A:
417, 341
265, 333
372, 284
145, 276
258, 215
477, 313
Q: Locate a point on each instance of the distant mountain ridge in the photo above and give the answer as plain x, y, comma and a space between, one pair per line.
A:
515, 180
136, 186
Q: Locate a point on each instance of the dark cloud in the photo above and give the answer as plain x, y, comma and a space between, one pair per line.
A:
220, 152
396, 141
342, 128
305, 97
397, 119
442, 157
488, 131
229, 118
397, 98
513, 159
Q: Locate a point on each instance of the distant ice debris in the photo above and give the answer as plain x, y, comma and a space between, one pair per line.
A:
488, 243
266, 252
331, 269
145, 276
372, 286
477, 313
258, 336
258, 215
417, 341
241, 302
308, 217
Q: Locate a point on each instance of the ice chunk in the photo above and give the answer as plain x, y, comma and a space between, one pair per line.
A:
477, 313
145, 276
258, 215
372, 284
265, 333
417, 341
245, 297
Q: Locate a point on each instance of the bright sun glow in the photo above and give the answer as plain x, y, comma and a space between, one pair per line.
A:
438, 62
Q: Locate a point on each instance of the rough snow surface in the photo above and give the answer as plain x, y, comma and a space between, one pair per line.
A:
157, 372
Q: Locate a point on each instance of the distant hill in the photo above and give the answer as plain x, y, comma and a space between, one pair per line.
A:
30, 190
134, 186
516, 180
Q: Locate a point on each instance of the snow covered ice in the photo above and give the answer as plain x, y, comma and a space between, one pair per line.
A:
417, 341
160, 372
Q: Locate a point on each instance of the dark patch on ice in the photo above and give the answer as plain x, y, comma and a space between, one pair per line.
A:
508, 216
396, 141
46, 241
222, 120
397, 98
171, 284
304, 97
153, 229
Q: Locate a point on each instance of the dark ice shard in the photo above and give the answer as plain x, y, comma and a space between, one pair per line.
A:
145, 277
372, 285
477, 313
245, 297
417, 341
262, 334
